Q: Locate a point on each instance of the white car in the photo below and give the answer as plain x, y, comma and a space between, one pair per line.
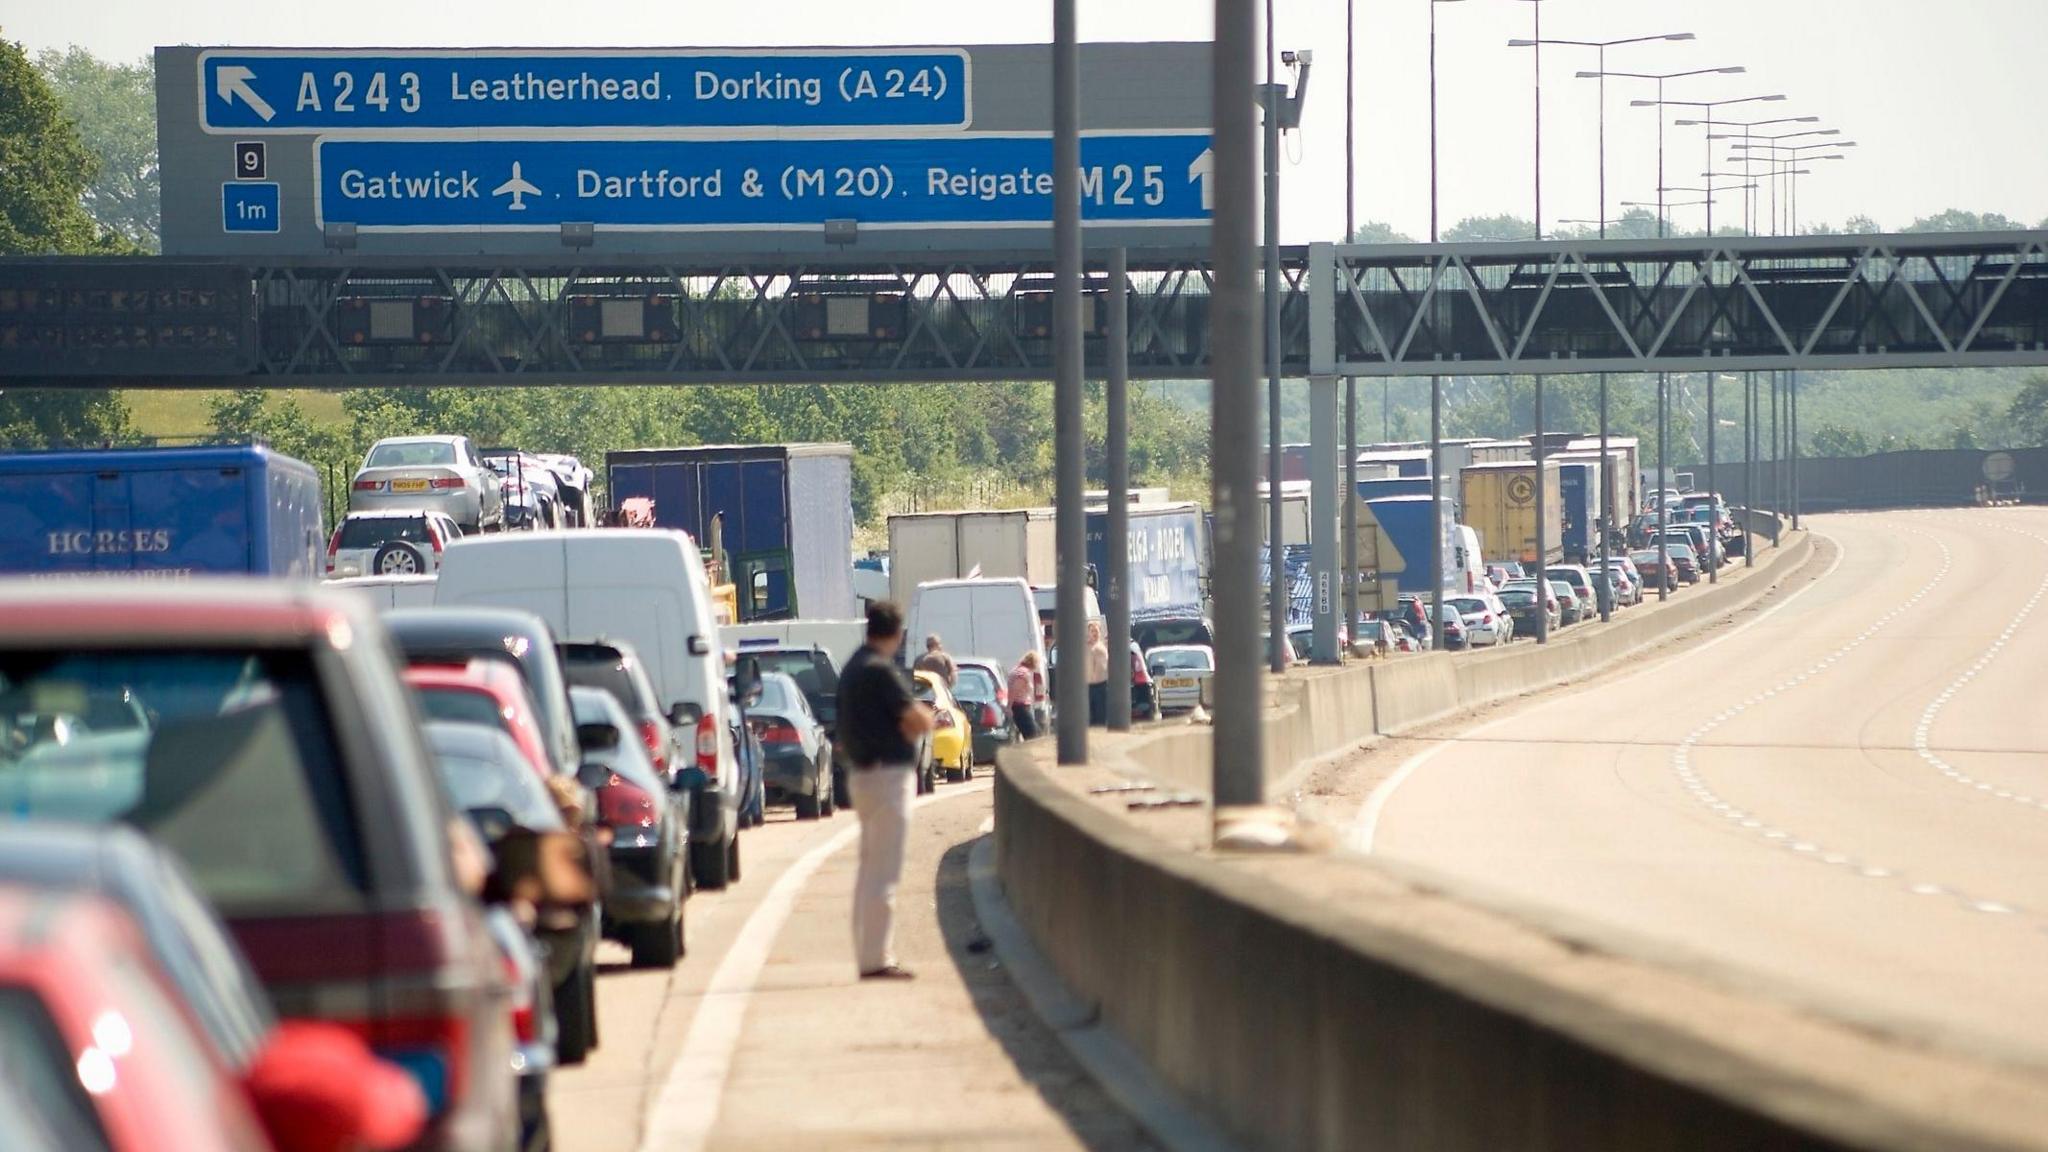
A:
437, 473
396, 542
1177, 674
1485, 624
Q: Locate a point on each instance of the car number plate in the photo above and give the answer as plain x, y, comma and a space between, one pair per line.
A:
1177, 682
408, 485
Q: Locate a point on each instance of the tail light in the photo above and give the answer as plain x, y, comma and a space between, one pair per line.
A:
657, 748
434, 538
707, 747
624, 805
1139, 676
1002, 696
779, 732
990, 718
524, 1026
333, 546
446, 483
367, 485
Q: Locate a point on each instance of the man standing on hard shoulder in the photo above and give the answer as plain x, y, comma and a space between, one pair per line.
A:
937, 662
879, 726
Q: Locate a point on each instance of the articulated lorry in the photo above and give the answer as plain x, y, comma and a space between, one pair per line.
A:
160, 514
1164, 560
784, 514
1579, 485
1499, 502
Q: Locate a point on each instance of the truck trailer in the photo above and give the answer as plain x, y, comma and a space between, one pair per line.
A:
1499, 502
1579, 484
160, 513
1164, 560
784, 513
925, 546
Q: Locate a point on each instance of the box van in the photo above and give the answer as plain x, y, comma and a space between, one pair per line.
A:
994, 619
645, 586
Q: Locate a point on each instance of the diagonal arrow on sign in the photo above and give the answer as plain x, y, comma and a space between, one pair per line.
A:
232, 80
1204, 169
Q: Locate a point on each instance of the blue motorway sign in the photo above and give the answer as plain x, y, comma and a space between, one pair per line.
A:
373, 91
984, 180
250, 206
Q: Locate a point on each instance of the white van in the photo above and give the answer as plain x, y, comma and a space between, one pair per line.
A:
993, 619
1468, 569
646, 587
1047, 598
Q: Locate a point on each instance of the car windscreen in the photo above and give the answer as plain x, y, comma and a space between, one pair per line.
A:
235, 767
1152, 634
974, 683
419, 454
372, 531
462, 706
36, 1067
601, 667
482, 783
800, 666
1468, 605
1517, 597
1180, 659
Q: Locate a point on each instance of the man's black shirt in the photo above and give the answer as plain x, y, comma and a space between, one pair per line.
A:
873, 696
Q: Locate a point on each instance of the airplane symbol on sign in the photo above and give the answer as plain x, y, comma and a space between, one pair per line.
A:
518, 188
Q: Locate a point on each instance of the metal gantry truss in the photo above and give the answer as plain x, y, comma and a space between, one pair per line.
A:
1403, 310
1658, 305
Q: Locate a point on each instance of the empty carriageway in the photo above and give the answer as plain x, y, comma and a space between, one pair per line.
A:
1840, 800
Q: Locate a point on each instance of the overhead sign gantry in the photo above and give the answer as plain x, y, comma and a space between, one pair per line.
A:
518, 152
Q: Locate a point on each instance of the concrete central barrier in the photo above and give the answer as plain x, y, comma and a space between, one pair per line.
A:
1297, 1023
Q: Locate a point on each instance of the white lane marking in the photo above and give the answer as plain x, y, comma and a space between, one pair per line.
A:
686, 1109
1925, 726
1366, 827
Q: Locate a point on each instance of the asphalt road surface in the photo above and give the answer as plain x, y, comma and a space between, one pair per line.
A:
1841, 802
762, 1037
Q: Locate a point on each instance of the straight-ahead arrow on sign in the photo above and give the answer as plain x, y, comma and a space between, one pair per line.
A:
1204, 169
232, 81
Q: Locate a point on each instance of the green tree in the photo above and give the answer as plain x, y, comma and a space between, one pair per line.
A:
1376, 232
2028, 415
44, 170
1958, 220
1480, 228
44, 167
1835, 440
113, 107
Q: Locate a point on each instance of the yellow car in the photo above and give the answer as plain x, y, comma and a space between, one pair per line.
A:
952, 738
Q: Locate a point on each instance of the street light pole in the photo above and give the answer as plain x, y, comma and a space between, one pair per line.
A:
1238, 752
1349, 522
1071, 690
1276, 591
1658, 104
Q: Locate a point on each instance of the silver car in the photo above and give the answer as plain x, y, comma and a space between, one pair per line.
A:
435, 473
395, 542
1177, 674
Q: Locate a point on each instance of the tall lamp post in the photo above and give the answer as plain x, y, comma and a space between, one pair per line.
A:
1749, 128
1535, 41
1791, 155
1658, 103
1432, 116
1710, 106
1600, 47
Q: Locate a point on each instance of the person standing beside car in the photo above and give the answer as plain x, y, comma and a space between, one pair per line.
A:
1023, 691
936, 661
880, 722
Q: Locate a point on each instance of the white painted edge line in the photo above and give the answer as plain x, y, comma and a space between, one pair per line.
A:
686, 1109
1365, 829
1121, 1072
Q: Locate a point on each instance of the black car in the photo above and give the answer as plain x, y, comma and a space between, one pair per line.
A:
649, 822
818, 679
796, 757
616, 668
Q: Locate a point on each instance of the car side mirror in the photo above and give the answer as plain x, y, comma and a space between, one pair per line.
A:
684, 714
597, 736
746, 680
592, 774
312, 1068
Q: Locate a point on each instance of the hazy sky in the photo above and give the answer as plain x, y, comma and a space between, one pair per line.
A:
1943, 99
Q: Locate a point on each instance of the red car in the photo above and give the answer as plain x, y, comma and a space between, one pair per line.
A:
82, 1006
487, 692
261, 733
